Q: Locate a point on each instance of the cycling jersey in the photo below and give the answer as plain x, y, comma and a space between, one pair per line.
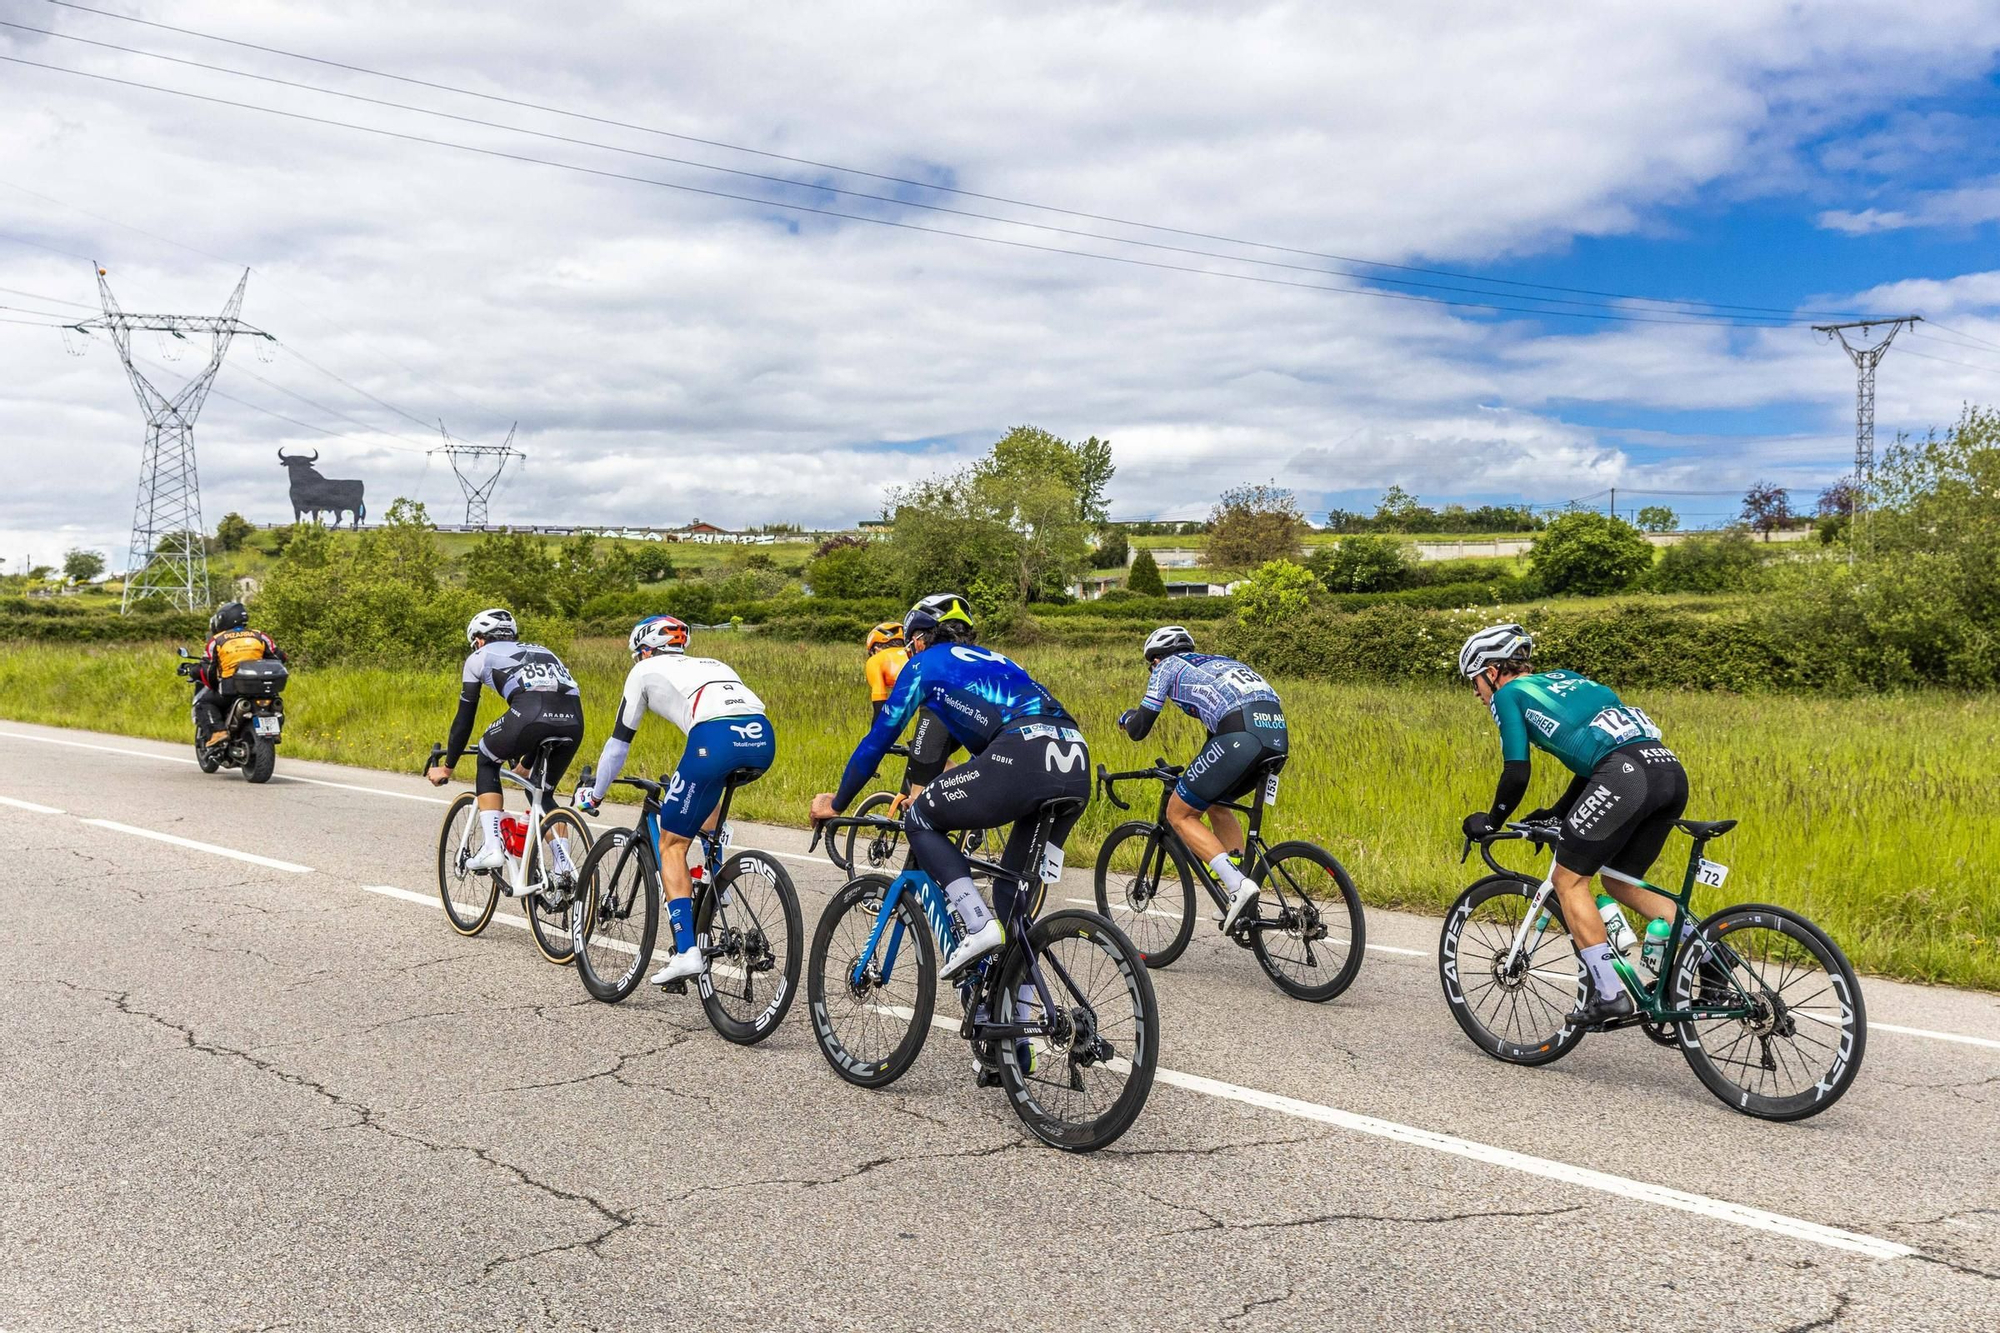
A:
1206, 686
975, 692
510, 670
689, 692
882, 669
1571, 717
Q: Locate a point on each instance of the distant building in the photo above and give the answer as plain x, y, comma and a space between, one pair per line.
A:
1094, 587
1199, 589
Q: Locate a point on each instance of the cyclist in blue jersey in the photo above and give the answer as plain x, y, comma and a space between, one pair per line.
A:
1626, 791
1246, 730
1026, 750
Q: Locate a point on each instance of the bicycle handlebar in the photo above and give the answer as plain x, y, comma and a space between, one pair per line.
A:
826, 826
1545, 833
1161, 771
436, 757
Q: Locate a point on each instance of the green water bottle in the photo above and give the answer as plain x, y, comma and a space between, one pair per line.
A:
1655, 949
1615, 928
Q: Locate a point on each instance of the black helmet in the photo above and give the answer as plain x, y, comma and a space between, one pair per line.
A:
230, 615
942, 615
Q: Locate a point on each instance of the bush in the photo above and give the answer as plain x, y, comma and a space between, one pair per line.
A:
1145, 577
1276, 594
1113, 550
652, 563
1252, 525
1587, 554
850, 567
1728, 562
1363, 564
233, 531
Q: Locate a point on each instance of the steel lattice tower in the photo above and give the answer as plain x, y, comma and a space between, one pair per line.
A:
477, 492
1865, 360
168, 555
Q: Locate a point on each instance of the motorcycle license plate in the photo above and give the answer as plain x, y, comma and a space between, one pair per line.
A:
268, 726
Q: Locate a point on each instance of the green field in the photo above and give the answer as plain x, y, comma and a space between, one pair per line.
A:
1878, 817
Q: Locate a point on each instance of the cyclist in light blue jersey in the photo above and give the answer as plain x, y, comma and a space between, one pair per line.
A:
1246, 740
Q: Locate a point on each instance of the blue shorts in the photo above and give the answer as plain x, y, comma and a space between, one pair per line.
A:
715, 749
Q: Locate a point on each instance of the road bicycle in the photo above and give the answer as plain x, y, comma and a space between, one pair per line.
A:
528, 874
746, 919
1308, 933
878, 848
1764, 1006
1077, 1061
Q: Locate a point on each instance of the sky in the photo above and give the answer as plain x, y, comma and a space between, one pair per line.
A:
1169, 225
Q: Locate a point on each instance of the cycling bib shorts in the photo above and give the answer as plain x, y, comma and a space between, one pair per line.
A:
1231, 764
531, 719
715, 749
1621, 821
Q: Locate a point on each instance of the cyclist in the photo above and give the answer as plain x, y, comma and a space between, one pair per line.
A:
885, 658
231, 643
1026, 750
1246, 728
726, 730
1626, 791
543, 704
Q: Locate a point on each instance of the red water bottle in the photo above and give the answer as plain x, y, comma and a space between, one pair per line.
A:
513, 835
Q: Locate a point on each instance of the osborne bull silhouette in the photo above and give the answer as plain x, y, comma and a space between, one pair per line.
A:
314, 494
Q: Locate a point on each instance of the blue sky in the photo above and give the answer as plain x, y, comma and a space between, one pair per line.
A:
669, 354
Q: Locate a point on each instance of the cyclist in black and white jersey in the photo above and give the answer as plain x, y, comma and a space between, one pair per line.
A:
543, 704
1246, 729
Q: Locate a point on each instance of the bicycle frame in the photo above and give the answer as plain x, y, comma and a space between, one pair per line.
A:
516, 869
1650, 999
1254, 846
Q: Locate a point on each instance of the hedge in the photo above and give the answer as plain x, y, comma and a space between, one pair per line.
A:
100, 627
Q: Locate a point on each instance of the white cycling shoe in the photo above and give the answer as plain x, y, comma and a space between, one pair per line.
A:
973, 948
1243, 900
681, 967
490, 857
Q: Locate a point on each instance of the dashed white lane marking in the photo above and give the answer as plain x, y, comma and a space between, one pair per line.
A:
267, 862
29, 805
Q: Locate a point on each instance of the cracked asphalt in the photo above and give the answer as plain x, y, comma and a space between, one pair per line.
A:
239, 1097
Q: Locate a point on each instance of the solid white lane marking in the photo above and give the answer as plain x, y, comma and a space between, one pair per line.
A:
1960, 1038
30, 805
372, 791
1645, 1192
209, 847
1175, 916
106, 749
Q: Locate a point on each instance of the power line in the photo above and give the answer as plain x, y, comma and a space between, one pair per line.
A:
794, 183
1977, 342
381, 402
52, 300
1945, 360
919, 184
881, 222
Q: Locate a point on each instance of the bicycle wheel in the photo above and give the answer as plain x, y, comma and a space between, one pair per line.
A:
866, 850
549, 910
1093, 1069
1146, 889
1312, 942
1798, 1051
871, 1011
751, 915
1518, 1013
469, 896
615, 916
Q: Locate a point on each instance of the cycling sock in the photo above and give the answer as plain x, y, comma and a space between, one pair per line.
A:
559, 853
964, 897
1597, 957
1226, 870
490, 821
1027, 1004
680, 913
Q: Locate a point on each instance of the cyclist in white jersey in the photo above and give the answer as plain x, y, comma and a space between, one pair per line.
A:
726, 731
1246, 740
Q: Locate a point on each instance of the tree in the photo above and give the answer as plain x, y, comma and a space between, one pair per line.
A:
81, 566
851, 567
1766, 506
1399, 511
1252, 525
511, 569
1011, 520
1345, 520
652, 563
233, 531
1113, 550
580, 573
1085, 469
1145, 577
1838, 500
1726, 562
1658, 518
1362, 564
1586, 554
1277, 592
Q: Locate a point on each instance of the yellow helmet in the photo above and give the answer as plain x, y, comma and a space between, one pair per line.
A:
888, 634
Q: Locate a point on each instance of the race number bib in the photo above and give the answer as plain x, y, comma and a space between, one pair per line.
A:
1711, 873
1052, 863
1271, 790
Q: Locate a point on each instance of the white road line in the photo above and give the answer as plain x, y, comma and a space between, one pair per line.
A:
106, 749
372, 791
1723, 1211
208, 847
1987, 1042
30, 805
1175, 916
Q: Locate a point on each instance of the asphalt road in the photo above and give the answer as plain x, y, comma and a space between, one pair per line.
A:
280, 1092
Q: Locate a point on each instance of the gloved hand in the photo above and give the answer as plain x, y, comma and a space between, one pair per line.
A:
1542, 815
1477, 825
1125, 719
586, 801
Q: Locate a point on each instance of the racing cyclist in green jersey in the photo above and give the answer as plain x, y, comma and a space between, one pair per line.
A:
1626, 791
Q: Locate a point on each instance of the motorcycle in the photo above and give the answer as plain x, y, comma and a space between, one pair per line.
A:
253, 716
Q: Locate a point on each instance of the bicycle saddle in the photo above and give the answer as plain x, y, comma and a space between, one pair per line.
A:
740, 777
1696, 828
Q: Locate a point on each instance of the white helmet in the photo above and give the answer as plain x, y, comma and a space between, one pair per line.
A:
1168, 639
494, 623
1495, 643
659, 634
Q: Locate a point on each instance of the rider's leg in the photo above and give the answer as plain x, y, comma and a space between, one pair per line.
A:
486, 782
208, 716
1228, 829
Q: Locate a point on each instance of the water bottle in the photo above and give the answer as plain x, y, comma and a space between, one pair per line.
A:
1655, 948
1615, 928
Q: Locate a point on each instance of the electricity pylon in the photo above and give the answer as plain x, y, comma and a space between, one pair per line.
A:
1865, 360
167, 554
477, 492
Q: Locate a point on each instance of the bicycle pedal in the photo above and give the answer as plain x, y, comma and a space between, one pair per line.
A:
674, 987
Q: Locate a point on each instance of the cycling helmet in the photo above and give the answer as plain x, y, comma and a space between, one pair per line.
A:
1166, 641
940, 616
230, 615
1495, 643
494, 623
659, 634
888, 634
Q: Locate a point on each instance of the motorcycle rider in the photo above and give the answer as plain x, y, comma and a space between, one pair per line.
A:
231, 642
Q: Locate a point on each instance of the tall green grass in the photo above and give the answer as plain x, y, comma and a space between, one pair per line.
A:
1877, 816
